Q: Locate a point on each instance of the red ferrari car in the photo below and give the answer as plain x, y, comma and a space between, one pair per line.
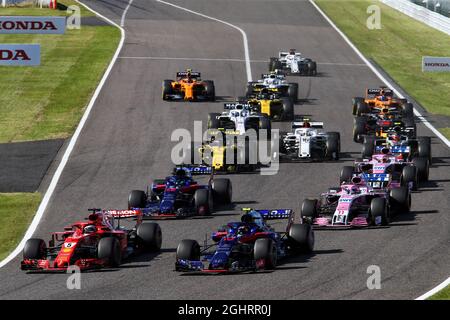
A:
102, 240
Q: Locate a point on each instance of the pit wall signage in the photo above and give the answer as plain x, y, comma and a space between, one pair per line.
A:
20, 54
32, 25
436, 64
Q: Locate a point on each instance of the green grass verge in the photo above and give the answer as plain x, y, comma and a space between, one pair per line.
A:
48, 101
444, 294
398, 48
16, 212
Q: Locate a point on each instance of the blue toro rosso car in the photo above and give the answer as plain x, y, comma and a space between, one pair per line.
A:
248, 245
180, 196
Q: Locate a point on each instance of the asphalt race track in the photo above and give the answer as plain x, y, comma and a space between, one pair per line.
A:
126, 143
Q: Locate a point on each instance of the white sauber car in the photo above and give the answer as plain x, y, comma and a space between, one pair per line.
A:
308, 141
293, 63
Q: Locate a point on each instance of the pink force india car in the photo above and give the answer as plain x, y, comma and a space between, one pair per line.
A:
401, 171
366, 200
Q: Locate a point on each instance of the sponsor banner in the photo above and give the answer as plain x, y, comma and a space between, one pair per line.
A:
32, 25
20, 54
436, 64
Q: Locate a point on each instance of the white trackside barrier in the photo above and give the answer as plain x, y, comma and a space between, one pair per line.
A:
433, 19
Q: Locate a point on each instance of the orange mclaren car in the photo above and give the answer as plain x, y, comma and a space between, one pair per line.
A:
189, 87
382, 100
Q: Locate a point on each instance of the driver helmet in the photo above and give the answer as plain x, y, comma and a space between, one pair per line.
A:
90, 228
292, 51
306, 124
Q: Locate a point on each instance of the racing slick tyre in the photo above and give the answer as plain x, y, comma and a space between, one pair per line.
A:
379, 212
409, 174
265, 249
188, 250
362, 108
34, 249
346, 174
293, 91
408, 110
309, 210
425, 148
355, 102
333, 145
149, 236
288, 110
423, 169
137, 199
277, 65
222, 191
249, 90
210, 90
109, 249
312, 68
301, 238
400, 199
272, 63
213, 122
264, 124
368, 149
359, 129
203, 202
166, 89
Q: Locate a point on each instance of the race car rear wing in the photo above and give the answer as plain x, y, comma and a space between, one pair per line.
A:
267, 75
300, 124
195, 169
376, 92
194, 75
232, 106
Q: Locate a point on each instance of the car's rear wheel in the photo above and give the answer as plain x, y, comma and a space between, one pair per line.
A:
423, 168
346, 174
166, 89
108, 249
288, 110
312, 68
213, 121
400, 200
34, 249
424, 148
210, 90
137, 199
408, 110
203, 202
265, 249
150, 236
222, 191
355, 102
188, 250
362, 108
293, 91
301, 237
272, 63
333, 145
359, 129
368, 149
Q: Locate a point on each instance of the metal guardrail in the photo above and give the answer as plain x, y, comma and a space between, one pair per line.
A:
433, 19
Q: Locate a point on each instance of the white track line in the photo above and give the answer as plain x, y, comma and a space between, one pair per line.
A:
244, 35
417, 113
124, 14
235, 60
51, 188
379, 75
434, 290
